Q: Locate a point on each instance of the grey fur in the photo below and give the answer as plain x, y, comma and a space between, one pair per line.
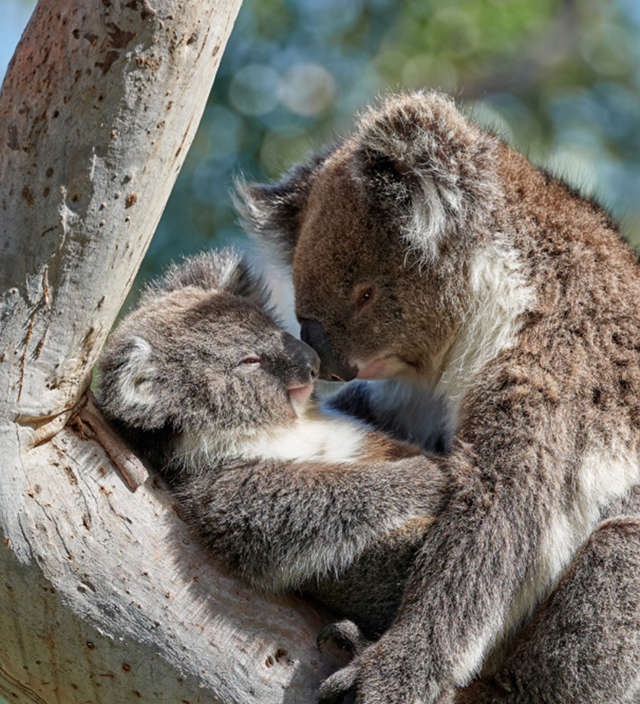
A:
172, 365
280, 524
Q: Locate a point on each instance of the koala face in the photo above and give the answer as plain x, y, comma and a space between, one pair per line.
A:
194, 358
379, 233
367, 308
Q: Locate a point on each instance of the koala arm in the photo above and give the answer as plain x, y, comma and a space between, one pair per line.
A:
282, 524
456, 599
466, 576
395, 408
582, 642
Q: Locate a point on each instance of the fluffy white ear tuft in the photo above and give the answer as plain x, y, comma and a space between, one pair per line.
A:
137, 374
426, 221
272, 213
434, 166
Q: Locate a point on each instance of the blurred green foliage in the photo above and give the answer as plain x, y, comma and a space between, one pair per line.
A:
560, 80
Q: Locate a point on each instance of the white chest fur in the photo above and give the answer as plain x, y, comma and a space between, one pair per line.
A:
500, 295
606, 474
330, 439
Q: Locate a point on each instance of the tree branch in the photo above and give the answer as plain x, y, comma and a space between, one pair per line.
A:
105, 597
91, 423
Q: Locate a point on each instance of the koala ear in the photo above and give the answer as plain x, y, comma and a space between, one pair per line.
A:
235, 276
217, 270
138, 371
421, 153
273, 212
126, 387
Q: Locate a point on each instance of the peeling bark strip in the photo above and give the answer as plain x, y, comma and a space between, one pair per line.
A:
90, 423
104, 597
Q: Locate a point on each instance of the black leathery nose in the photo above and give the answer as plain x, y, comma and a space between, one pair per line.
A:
304, 357
332, 366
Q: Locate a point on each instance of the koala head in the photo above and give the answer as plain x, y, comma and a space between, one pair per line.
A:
379, 232
201, 356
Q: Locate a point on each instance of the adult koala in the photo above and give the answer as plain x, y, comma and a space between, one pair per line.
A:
426, 251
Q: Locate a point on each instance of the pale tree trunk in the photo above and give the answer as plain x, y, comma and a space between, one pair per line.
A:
104, 595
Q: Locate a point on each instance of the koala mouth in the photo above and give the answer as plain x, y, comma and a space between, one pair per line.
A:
380, 367
299, 396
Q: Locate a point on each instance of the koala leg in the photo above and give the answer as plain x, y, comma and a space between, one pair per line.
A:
345, 634
583, 643
282, 525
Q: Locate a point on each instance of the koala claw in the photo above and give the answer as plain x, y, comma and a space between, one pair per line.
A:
340, 687
345, 634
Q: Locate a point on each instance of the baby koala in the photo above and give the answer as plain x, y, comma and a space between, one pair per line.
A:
219, 399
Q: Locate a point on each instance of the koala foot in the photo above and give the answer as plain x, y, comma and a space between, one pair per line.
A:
345, 634
340, 687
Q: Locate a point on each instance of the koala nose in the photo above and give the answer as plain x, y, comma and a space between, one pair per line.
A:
332, 365
312, 362
303, 358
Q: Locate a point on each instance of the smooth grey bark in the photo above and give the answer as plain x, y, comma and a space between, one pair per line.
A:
104, 596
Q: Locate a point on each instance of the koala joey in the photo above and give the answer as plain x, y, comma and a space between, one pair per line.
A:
201, 380
430, 256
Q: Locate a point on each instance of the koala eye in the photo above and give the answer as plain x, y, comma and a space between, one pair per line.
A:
250, 360
364, 296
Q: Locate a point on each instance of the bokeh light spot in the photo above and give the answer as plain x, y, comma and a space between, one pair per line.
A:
254, 89
307, 89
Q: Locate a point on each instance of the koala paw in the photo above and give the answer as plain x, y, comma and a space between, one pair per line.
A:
345, 634
340, 687
385, 671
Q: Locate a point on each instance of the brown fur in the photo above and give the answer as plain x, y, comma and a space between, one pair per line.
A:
515, 301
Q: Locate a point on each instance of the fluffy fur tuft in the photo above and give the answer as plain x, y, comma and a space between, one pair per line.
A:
272, 212
224, 271
428, 162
